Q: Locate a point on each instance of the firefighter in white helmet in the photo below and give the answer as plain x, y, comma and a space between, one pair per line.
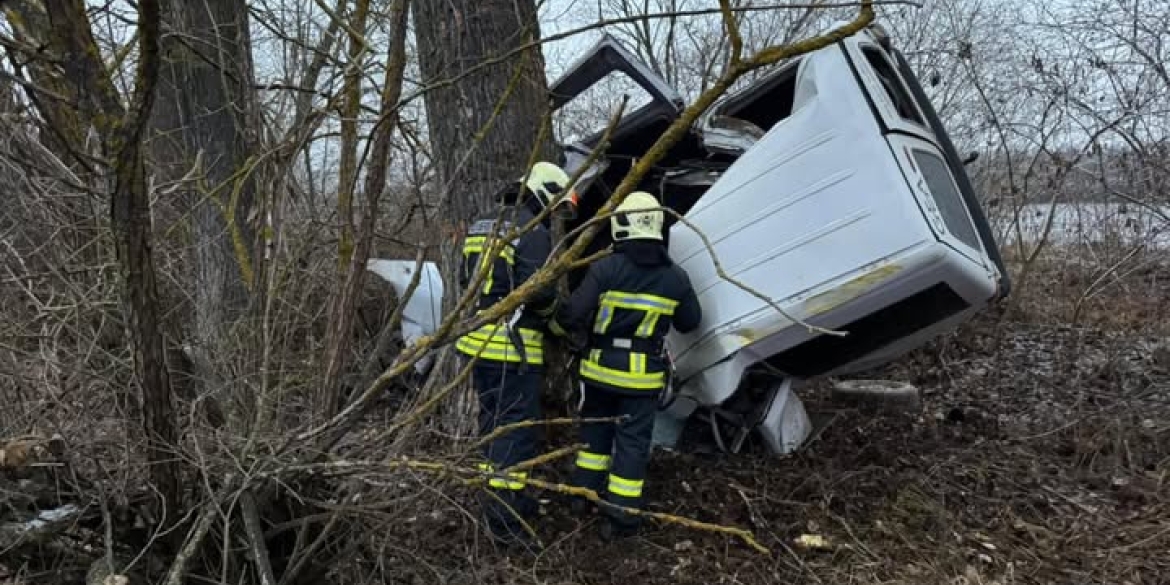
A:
508, 373
626, 304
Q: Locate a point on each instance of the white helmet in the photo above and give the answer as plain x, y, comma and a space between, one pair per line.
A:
630, 222
549, 183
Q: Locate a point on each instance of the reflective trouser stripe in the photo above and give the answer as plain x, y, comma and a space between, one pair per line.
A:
497, 346
627, 488
592, 370
515, 483
592, 461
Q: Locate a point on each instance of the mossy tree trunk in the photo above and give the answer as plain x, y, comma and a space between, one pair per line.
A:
202, 133
485, 120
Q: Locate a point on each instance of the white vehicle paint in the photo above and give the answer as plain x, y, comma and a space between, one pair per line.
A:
424, 308
830, 188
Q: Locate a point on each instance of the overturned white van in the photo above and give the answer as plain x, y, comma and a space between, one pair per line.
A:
828, 186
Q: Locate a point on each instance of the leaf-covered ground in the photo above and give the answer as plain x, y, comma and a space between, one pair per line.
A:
1041, 455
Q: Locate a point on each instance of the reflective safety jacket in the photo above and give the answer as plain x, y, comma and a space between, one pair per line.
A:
514, 262
633, 297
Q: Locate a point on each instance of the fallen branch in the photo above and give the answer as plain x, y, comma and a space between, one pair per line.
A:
548, 274
592, 496
251, 514
197, 534
545, 458
477, 477
710, 248
503, 430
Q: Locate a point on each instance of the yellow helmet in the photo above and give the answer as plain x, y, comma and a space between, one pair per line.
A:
631, 222
549, 183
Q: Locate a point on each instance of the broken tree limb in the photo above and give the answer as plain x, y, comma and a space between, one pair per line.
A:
592, 496
719, 270
470, 477
251, 514
503, 430
196, 535
547, 275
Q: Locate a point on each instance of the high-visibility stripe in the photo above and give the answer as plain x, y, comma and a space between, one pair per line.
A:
646, 327
642, 301
515, 480
593, 370
629, 488
476, 338
515, 483
652, 307
637, 363
592, 461
498, 333
491, 342
479, 245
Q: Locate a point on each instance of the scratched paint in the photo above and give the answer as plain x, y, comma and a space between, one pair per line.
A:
852, 289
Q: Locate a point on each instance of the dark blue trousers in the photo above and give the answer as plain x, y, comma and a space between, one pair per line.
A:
505, 397
614, 466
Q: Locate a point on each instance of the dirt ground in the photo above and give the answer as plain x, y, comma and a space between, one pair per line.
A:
1041, 455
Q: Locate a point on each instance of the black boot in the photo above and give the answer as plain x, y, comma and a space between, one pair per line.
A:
579, 506
511, 537
612, 529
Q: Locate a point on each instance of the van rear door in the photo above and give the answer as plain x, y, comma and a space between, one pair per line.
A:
915, 147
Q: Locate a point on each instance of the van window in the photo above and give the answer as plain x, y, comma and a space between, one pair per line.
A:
893, 85
768, 101
946, 196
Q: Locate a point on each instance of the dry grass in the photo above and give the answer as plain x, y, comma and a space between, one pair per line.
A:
1041, 455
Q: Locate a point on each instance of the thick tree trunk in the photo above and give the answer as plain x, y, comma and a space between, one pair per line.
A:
73, 67
201, 130
479, 144
130, 214
66, 107
66, 125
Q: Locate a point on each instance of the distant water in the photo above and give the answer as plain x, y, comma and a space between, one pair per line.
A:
1086, 223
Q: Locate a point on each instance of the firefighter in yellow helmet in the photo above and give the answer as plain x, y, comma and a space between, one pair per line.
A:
508, 373
626, 304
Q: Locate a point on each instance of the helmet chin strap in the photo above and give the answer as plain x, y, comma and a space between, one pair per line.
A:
534, 202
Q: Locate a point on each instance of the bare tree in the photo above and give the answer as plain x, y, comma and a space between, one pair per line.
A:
487, 112
203, 137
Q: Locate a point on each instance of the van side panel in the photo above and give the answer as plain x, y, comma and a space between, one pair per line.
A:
819, 198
